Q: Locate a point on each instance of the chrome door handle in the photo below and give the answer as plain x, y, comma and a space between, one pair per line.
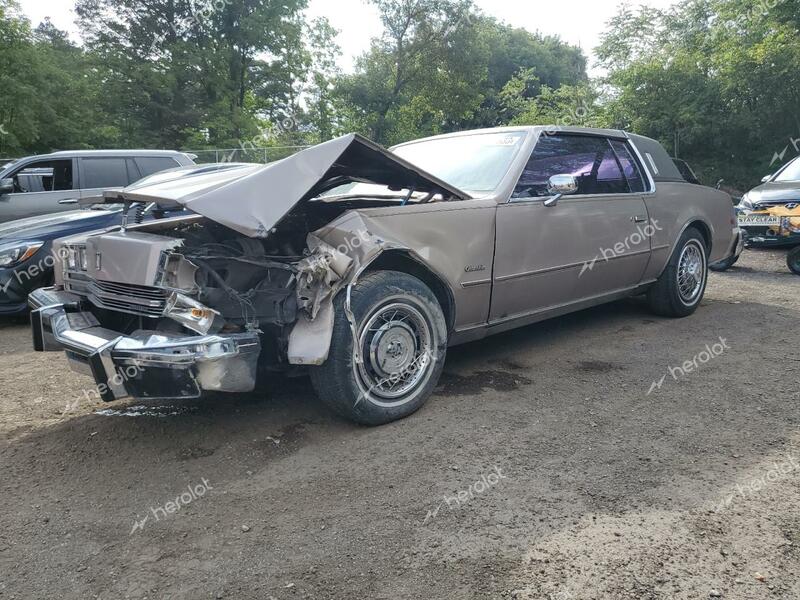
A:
639, 219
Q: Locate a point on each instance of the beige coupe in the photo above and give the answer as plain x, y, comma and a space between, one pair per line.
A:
364, 265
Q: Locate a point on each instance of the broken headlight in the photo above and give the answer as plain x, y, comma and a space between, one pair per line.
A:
192, 315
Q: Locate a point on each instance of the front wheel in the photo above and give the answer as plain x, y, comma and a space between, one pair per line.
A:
793, 261
682, 285
389, 369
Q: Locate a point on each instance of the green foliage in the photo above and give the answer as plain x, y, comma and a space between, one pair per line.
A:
442, 66
252, 74
187, 66
715, 80
566, 106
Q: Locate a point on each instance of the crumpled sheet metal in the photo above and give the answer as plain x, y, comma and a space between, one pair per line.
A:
254, 200
349, 242
318, 273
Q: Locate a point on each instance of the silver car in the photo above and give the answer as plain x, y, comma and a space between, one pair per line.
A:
49, 183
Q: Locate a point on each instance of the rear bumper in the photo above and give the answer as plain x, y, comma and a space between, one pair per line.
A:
739, 245
736, 249
144, 365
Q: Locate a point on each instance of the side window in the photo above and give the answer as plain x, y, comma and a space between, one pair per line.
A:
149, 165
629, 166
104, 173
44, 176
589, 159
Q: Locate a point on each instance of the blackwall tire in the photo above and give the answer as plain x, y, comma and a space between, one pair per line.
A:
682, 285
793, 261
402, 339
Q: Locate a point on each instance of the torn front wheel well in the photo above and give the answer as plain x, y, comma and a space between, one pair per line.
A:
403, 261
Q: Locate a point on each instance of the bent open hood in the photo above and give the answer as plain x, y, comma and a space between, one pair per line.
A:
255, 199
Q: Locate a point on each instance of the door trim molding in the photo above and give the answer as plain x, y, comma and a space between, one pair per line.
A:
504, 278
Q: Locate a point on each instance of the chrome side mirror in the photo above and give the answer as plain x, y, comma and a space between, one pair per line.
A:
6, 185
560, 185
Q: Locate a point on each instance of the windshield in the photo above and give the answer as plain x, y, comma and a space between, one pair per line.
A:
791, 172
474, 163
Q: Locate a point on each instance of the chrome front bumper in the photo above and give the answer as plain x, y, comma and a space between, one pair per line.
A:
146, 364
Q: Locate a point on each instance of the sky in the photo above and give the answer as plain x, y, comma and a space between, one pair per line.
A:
579, 22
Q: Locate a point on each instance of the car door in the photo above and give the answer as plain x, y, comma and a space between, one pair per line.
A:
584, 246
40, 187
102, 173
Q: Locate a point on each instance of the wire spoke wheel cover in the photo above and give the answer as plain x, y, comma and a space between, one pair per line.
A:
691, 272
397, 348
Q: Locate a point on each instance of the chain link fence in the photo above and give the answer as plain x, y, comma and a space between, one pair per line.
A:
248, 155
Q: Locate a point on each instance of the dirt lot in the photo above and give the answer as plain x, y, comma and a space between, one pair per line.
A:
543, 468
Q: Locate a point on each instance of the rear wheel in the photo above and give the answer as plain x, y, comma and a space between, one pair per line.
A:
682, 285
793, 261
391, 367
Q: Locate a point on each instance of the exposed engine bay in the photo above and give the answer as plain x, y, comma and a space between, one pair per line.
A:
253, 282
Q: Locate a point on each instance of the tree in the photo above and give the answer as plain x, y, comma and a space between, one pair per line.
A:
715, 80
441, 66
19, 76
566, 106
178, 67
322, 77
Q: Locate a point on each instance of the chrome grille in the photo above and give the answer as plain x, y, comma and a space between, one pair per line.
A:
77, 283
135, 299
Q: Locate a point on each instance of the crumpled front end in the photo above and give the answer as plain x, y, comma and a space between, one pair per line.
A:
144, 364
200, 303
197, 311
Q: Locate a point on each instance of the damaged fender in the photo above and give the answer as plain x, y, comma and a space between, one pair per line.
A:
349, 248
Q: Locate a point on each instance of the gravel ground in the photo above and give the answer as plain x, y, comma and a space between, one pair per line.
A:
544, 467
